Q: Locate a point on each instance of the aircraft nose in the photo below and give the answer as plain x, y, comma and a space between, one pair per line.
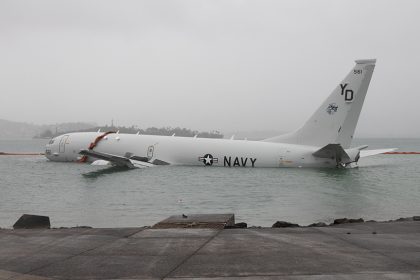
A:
50, 150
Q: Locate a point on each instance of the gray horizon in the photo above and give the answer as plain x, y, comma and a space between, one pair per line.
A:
206, 65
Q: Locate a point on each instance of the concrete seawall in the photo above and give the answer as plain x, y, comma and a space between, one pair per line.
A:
368, 250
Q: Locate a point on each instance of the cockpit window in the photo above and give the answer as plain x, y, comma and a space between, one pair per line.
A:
51, 141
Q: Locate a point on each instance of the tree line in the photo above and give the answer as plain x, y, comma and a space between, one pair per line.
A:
178, 131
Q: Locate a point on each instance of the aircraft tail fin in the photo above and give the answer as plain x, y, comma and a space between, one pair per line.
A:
335, 120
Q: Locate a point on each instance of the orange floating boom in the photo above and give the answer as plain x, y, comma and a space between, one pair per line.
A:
402, 153
20, 154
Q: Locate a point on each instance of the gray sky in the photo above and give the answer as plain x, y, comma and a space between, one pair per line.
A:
224, 65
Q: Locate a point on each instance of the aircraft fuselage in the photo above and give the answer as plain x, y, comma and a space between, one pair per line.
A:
163, 150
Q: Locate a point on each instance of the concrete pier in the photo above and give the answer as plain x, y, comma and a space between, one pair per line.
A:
216, 221
349, 251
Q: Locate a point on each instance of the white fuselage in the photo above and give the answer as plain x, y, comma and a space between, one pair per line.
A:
161, 150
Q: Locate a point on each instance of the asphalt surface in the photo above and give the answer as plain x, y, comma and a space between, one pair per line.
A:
350, 251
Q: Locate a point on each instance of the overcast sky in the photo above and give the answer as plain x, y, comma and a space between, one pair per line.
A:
207, 65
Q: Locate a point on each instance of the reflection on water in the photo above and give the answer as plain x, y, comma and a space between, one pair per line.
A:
383, 187
105, 171
336, 172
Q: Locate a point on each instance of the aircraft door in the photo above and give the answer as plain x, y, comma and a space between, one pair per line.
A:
62, 144
150, 151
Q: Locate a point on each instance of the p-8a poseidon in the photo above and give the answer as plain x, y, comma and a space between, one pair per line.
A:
323, 141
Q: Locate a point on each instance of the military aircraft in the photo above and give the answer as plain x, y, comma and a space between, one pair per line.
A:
323, 141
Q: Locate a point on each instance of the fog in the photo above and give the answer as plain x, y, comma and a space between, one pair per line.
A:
207, 65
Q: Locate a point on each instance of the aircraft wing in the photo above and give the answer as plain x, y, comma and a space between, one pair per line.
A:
116, 160
367, 153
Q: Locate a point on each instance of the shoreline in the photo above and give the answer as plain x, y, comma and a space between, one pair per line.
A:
368, 250
202, 223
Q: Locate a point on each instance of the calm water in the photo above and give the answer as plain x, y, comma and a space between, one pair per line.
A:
383, 187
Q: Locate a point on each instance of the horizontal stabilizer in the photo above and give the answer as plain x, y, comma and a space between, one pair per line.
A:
333, 151
367, 153
116, 160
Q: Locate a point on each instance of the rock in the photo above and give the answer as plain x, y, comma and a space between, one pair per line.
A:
360, 220
32, 221
416, 218
319, 224
405, 219
237, 225
341, 221
81, 227
241, 225
346, 221
283, 224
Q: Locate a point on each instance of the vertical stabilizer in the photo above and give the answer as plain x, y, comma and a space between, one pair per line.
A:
335, 121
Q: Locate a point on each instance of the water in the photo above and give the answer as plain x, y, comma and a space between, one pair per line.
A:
383, 187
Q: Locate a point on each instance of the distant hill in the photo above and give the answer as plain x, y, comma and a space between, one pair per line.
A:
21, 130
178, 131
254, 135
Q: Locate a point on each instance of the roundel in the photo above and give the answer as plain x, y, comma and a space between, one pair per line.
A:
208, 159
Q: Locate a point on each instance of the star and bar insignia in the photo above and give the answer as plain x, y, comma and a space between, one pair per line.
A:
208, 159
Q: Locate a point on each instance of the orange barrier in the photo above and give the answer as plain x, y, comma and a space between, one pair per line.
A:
402, 153
21, 154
